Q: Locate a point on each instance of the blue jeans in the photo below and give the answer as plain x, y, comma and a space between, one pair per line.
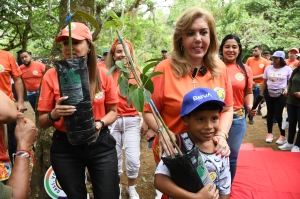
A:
235, 137
294, 118
100, 158
32, 100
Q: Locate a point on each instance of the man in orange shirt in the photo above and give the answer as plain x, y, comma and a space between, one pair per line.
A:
32, 74
267, 56
292, 60
258, 65
10, 70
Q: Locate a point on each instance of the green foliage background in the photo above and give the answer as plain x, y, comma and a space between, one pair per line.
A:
33, 24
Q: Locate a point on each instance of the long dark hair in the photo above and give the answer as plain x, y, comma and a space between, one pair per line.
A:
239, 57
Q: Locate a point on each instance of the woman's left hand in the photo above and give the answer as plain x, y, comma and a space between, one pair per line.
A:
251, 112
98, 127
297, 94
222, 146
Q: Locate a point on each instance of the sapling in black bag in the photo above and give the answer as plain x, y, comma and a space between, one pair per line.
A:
74, 82
188, 171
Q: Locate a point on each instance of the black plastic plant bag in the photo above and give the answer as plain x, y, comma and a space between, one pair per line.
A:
188, 171
73, 81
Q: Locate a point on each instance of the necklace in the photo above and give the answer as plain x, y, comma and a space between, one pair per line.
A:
195, 72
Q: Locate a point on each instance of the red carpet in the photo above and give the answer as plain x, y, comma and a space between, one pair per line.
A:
266, 174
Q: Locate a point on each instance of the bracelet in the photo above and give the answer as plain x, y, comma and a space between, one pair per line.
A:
51, 118
159, 129
225, 134
222, 136
102, 123
26, 154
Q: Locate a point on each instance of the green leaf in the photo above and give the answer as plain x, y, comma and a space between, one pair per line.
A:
147, 96
120, 79
110, 71
148, 67
129, 24
124, 87
138, 99
88, 17
113, 15
153, 60
120, 63
148, 85
132, 88
128, 101
155, 74
109, 24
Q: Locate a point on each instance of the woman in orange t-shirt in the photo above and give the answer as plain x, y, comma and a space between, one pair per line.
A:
126, 129
241, 80
100, 157
193, 63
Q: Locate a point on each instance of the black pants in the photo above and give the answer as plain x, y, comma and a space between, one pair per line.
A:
12, 142
294, 118
275, 106
100, 157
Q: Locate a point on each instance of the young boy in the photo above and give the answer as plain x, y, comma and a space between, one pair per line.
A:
200, 111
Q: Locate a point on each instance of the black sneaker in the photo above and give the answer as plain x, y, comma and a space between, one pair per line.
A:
251, 121
264, 117
259, 113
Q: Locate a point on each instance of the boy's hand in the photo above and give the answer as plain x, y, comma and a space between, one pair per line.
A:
165, 143
208, 192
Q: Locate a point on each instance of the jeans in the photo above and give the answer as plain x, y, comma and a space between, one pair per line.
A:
100, 158
12, 142
235, 137
275, 106
294, 117
126, 131
32, 100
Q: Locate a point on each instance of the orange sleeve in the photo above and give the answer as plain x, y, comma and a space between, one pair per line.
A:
111, 96
15, 69
250, 76
228, 90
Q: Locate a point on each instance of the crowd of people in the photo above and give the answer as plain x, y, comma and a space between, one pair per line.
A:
194, 97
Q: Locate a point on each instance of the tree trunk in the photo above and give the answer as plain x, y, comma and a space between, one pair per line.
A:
42, 151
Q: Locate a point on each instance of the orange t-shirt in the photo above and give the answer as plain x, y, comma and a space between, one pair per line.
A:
32, 75
8, 69
50, 95
258, 67
169, 91
123, 108
292, 64
101, 64
238, 81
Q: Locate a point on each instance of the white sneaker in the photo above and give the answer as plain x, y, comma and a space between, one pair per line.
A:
295, 149
286, 147
120, 186
281, 140
158, 194
132, 192
269, 138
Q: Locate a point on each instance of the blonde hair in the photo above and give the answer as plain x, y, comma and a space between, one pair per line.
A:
180, 64
94, 77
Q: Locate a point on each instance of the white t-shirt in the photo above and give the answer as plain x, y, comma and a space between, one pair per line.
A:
217, 166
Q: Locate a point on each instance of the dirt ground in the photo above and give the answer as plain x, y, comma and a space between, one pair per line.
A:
255, 134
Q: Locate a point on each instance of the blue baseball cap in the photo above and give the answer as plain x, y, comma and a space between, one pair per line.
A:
105, 52
279, 54
197, 97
